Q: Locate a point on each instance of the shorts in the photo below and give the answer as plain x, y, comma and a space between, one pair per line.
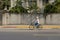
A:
36, 24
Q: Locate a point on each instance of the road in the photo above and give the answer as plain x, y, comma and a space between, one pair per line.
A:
30, 34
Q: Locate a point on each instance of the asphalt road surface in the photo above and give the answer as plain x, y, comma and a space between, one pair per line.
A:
30, 34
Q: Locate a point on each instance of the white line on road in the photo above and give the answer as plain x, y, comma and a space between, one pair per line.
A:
46, 34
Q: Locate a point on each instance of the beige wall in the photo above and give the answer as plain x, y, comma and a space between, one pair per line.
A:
20, 18
27, 19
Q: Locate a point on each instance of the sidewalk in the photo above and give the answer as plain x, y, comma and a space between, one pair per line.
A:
27, 26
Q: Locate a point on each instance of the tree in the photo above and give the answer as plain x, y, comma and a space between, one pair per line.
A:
52, 8
57, 4
33, 8
4, 3
18, 8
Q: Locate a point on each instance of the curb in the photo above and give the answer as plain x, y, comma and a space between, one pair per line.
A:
27, 26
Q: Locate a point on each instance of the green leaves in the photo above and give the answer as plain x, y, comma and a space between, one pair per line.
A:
53, 8
4, 3
57, 4
33, 7
18, 8
50, 8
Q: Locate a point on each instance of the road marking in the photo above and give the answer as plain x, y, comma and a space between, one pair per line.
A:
46, 34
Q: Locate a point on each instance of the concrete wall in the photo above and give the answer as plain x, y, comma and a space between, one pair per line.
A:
53, 19
29, 18
11, 19
20, 18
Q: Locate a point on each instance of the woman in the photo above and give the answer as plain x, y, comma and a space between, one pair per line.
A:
37, 22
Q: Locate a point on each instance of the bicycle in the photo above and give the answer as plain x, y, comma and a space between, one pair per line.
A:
32, 26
